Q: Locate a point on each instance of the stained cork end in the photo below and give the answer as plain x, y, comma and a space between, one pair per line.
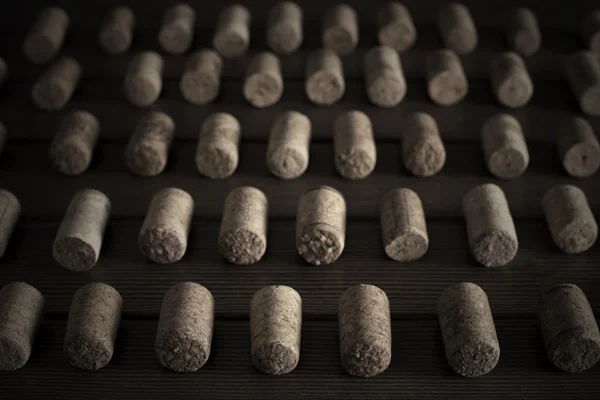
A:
320, 244
169, 346
582, 160
162, 244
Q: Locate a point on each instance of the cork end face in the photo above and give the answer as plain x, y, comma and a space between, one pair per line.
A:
507, 163
582, 160
74, 254
475, 358
461, 41
230, 44
162, 244
320, 245
398, 36
70, 158
447, 89
515, 91
494, 249
242, 247
367, 359
287, 163
199, 88
339, 39
526, 43
409, 246
13, 352
217, 162
87, 354
283, 39
355, 164
51, 95
145, 160
425, 158
39, 49
262, 90
115, 41
324, 88
275, 358
575, 351
387, 90
141, 92
577, 236
181, 353
174, 39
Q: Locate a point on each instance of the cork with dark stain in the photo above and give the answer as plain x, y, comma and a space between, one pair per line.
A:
578, 147
523, 34
395, 27
263, 85
10, 211
447, 83
423, 151
72, 147
340, 29
284, 27
569, 329
201, 80
177, 31
21, 313
590, 31
148, 150
93, 326
54, 88
504, 146
384, 78
325, 84
46, 36
468, 330
217, 154
583, 74
511, 82
275, 328
457, 28
232, 34
354, 145
116, 33
289, 142
185, 327
143, 82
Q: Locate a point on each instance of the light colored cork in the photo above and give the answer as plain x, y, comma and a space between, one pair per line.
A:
468, 330
10, 211
54, 88
354, 145
321, 225
504, 146
289, 143
340, 29
201, 80
457, 28
275, 328
490, 227
93, 326
284, 27
423, 150
578, 148
590, 31
263, 86
3, 137
570, 219
583, 74
396, 27
365, 330
46, 36
511, 82
217, 154
3, 72
116, 33
384, 78
185, 327
232, 35
447, 83
243, 234
177, 31
523, 34
21, 313
164, 234
325, 82
143, 82
72, 147
148, 150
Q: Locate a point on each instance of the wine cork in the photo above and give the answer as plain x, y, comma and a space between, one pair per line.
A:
232, 35
504, 146
3, 71
578, 148
570, 219
72, 148
490, 227
185, 327
423, 151
289, 142
201, 80
583, 74
56, 85
446, 81
143, 82
217, 154
457, 28
93, 325
243, 234
523, 34
10, 211
569, 329
284, 27
275, 326
468, 330
396, 27
177, 30
384, 78
79, 238
148, 149
321, 225
354, 145
116, 33
21, 313
46, 36
590, 31
340, 29
263, 86
325, 83
403, 226
511, 82
164, 234
365, 330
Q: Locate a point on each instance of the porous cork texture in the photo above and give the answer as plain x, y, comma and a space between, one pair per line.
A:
523, 34
583, 74
284, 27
143, 82
340, 29
490, 227
325, 84
10, 211
72, 147
423, 151
578, 147
570, 219
447, 83
3, 137
21, 313
569, 328
504, 146
3, 72
289, 142
164, 234
54, 88
93, 326
457, 28
275, 328
79, 238
232, 34
321, 225
468, 330
263, 86
185, 327
201, 80
147, 152
384, 78
243, 234
177, 31
217, 154
116, 33
46, 36
590, 31
511, 82
395, 27
354, 145
365, 330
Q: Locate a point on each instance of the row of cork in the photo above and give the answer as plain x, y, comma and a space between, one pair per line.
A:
186, 325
